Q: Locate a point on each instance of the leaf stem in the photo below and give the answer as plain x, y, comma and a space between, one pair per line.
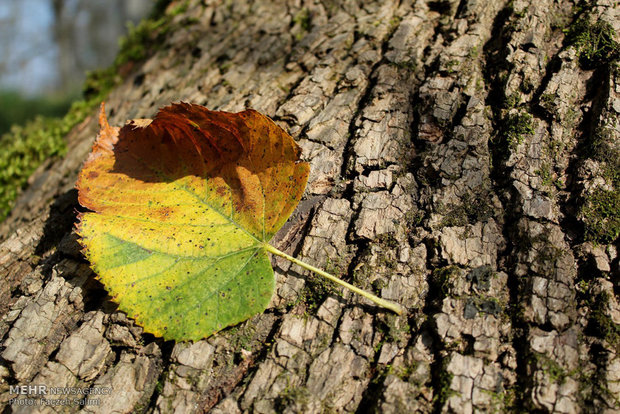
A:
393, 306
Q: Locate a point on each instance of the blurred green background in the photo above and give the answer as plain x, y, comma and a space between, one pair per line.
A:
48, 47
17, 107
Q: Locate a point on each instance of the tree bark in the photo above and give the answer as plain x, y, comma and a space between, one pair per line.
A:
451, 172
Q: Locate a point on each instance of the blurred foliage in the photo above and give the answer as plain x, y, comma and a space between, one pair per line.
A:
15, 108
24, 147
141, 41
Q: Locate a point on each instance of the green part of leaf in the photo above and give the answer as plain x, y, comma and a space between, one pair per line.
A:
183, 297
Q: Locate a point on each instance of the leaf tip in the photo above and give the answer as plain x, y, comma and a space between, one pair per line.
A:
103, 121
106, 138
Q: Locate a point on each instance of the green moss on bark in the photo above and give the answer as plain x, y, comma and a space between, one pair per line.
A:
594, 42
601, 216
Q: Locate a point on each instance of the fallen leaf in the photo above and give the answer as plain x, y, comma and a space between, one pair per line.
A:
182, 207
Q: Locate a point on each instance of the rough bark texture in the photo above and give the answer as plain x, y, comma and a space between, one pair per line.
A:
450, 172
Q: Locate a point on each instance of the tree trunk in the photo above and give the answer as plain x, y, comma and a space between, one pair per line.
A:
464, 163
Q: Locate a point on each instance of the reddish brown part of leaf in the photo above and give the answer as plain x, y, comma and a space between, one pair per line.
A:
249, 161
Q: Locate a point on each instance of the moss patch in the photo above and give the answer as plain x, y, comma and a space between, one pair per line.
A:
293, 398
601, 148
443, 389
556, 372
601, 324
302, 23
394, 329
475, 208
443, 278
512, 101
317, 289
516, 127
594, 42
303, 19
601, 216
549, 180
